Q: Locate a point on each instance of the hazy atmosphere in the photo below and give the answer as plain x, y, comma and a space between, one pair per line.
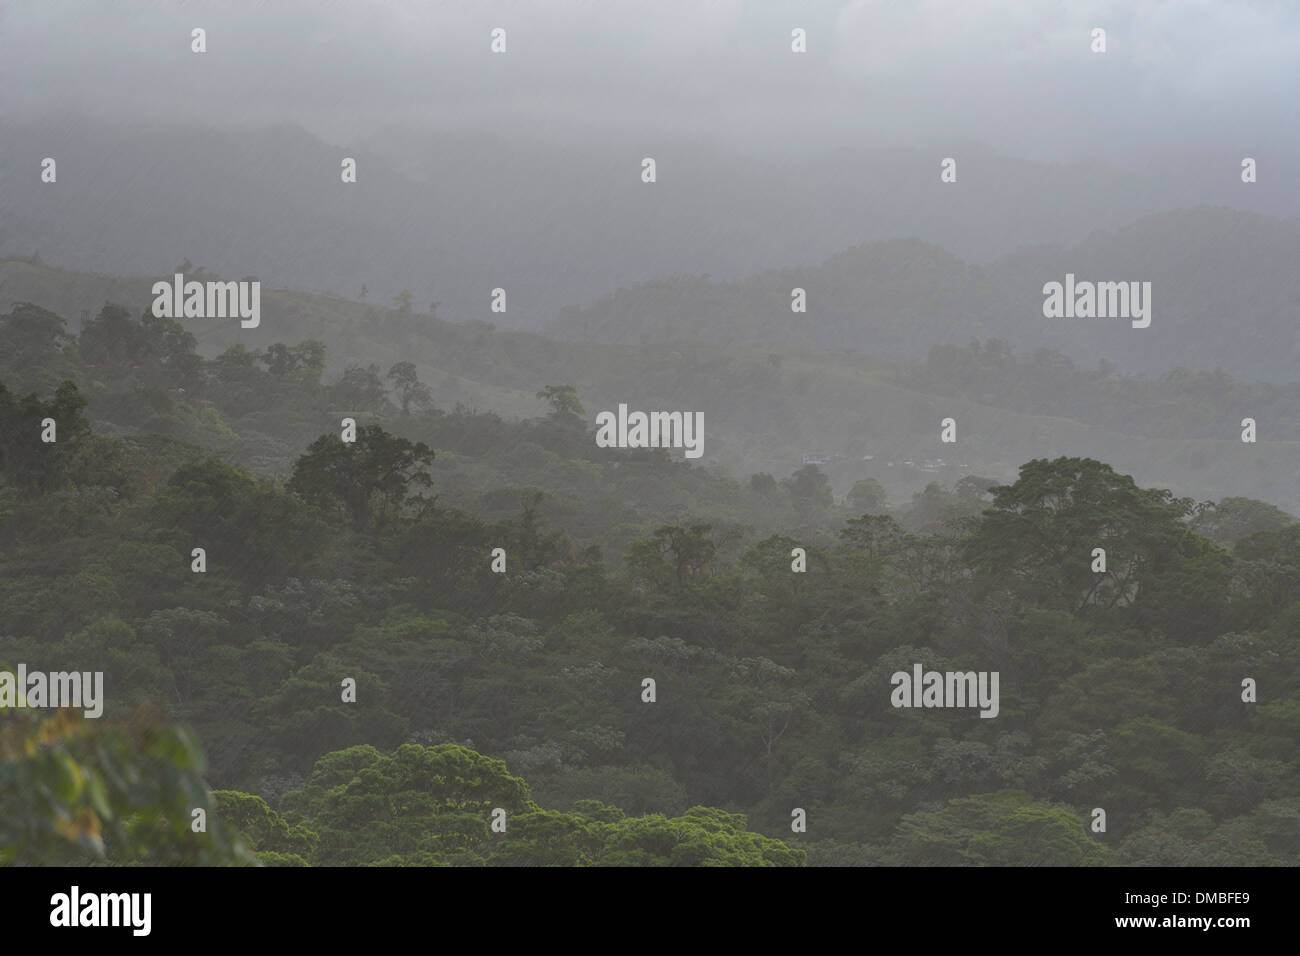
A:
476, 169
592, 425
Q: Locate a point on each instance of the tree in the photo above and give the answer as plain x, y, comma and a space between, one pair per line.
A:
433, 806
673, 555
531, 544
237, 366
1007, 828
265, 831
419, 804
703, 836
938, 509
1232, 519
279, 360
1041, 531
359, 390
114, 340
29, 463
172, 347
974, 488
810, 487
38, 352
867, 497
309, 361
410, 390
1189, 837
1037, 835
376, 468
565, 406
877, 536
234, 514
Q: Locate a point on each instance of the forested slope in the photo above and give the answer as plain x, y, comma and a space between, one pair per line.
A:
373, 563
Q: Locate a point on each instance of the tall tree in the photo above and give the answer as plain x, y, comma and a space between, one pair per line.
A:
30, 463
564, 402
410, 390
1042, 530
376, 468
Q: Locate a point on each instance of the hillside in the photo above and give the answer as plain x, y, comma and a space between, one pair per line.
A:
765, 409
676, 662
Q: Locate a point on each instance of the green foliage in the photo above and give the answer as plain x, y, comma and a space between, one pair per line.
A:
809, 487
38, 352
1119, 690
1228, 521
75, 793
359, 390
435, 805
1007, 828
265, 831
867, 496
377, 470
421, 801
411, 392
1041, 531
229, 514
564, 402
30, 463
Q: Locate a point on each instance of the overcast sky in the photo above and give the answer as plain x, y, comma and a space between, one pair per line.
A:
1015, 74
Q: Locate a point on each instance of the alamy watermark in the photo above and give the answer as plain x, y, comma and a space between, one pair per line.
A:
1098, 300
55, 689
947, 689
74, 908
651, 430
209, 300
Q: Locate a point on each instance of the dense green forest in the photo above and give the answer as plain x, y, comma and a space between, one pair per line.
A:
477, 689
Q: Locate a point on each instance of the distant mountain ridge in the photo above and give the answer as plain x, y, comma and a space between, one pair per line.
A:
1225, 294
451, 214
